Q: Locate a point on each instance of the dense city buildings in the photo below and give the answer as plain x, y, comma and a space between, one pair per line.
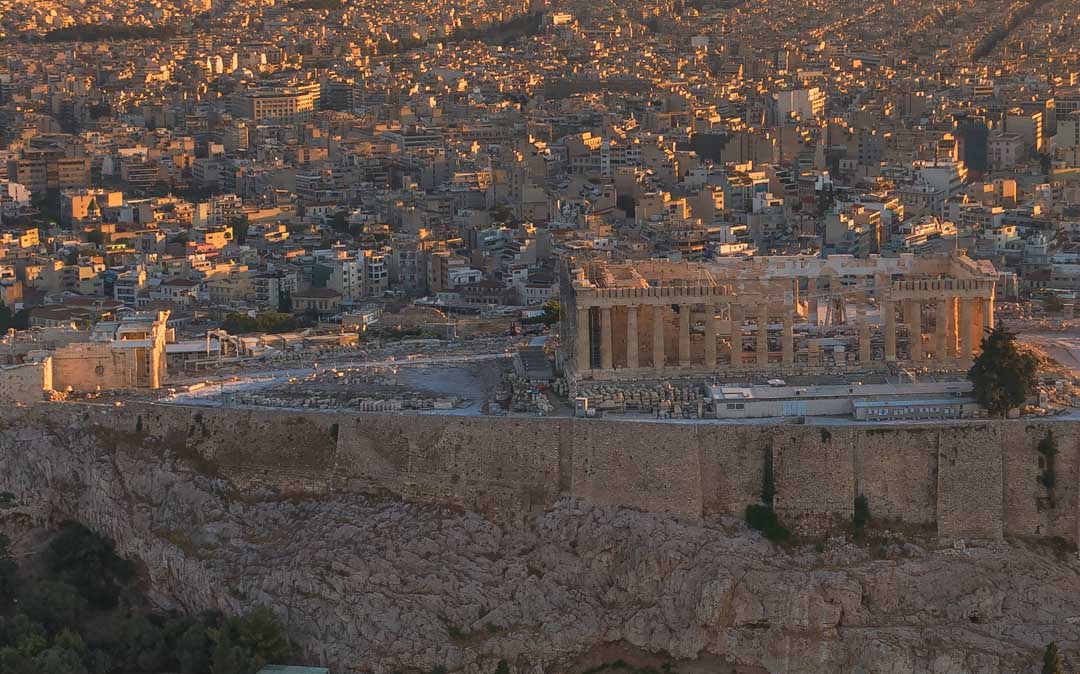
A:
539, 336
330, 160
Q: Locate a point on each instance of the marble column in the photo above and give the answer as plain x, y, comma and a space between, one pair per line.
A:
606, 361
941, 332
710, 336
812, 301
988, 315
582, 340
913, 320
888, 311
966, 346
735, 313
684, 335
631, 338
976, 308
863, 327
787, 337
658, 336
763, 336
952, 331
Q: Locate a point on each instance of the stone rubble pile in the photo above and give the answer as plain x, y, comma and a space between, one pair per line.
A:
526, 396
664, 398
362, 404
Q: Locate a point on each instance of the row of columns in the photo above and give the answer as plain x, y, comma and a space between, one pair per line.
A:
959, 323
737, 315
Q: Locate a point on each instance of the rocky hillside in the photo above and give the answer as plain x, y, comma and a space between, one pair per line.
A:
372, 584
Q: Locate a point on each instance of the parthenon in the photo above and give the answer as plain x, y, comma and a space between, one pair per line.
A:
784, 315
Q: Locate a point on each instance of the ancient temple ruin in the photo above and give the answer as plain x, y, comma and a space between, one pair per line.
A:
783, 315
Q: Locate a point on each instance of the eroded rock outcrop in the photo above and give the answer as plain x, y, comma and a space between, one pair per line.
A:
378, 585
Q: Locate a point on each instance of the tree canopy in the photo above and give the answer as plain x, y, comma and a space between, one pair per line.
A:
551, 312
1053, 304
57, 621
1003, 376
20, 320
269, 321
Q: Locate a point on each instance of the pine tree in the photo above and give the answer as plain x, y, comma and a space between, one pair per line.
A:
1002, 375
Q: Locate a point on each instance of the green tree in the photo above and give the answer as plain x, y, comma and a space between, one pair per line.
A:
143, 646
244, 645
13, 661
54, 604
551, 312
1053, 304
23, 634
228, 657
20, 320
240, 226
193, 650
502, 668
263, 634
275, 323
89, 563
1002, 375
1046, 162
71, 641
1051, 660
268, 321
236, 324
58, 660
339, 222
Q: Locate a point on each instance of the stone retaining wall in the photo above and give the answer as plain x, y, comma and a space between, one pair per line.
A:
979, 479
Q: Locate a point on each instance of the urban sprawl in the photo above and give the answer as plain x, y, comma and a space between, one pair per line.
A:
691, 209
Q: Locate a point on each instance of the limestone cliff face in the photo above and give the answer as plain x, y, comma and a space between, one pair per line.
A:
378, 585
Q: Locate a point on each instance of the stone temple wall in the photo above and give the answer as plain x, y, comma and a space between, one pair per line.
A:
982, 479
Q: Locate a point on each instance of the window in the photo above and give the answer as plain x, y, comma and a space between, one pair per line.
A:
735, 406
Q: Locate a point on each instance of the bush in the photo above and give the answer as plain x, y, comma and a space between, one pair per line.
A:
246, 644
763, 519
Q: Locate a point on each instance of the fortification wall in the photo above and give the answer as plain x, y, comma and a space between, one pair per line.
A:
896, 469
977, 479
